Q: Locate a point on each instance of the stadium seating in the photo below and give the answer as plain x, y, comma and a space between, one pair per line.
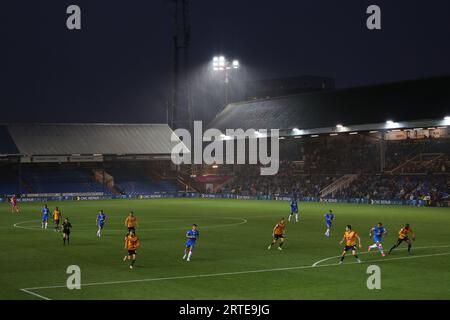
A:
136, 181
432, 187
410, 187
61, 180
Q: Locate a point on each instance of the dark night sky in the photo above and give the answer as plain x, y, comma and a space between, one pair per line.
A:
118, 67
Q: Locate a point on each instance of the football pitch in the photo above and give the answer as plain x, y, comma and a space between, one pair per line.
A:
231, 260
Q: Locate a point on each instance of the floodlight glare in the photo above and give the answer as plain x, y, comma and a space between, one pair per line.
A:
390, 122
297, 131
339, 126
447, 118
220, 63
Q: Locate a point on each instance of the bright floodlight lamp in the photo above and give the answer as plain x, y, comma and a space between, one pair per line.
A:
216, 63
339, 126
390, 122
447, 118
220, 63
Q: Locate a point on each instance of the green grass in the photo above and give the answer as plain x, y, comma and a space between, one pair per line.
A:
234, 238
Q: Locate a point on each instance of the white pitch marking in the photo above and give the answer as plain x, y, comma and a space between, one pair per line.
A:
35, 294
230, 273
376, 250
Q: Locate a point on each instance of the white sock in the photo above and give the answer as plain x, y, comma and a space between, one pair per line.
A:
380, 247
296, 217
373, 246
189, 255
289, 219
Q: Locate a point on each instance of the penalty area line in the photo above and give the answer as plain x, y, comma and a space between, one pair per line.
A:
28, 290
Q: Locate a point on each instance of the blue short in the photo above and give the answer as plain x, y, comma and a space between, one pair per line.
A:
328, 223
45, 219
377, 239
101, 224
294, 210
190, 243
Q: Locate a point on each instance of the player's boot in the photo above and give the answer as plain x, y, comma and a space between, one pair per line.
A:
269, 247
279, 248
131, 267
359, 261
383, 254
369, 248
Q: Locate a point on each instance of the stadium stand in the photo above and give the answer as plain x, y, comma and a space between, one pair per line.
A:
137, 181
433, 189
348, 167
61, 180
71, 158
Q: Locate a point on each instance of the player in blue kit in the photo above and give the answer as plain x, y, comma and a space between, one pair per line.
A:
294, 209
101, 220
378, 232
329, 217
192, 238
45, 216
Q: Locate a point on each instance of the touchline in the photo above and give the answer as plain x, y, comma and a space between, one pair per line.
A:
235, 147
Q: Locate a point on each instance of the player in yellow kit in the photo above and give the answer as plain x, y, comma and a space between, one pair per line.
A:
56, 218
278, 234
403, 235
131, 222
132, 243
350, 237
